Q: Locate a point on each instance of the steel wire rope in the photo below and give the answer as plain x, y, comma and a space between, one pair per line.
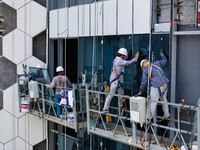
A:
65, 52
148, 81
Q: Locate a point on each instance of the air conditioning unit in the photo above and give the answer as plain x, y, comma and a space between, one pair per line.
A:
138, 110
33, 89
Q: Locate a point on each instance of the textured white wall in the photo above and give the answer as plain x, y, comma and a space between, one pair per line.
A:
20, 131
79, 19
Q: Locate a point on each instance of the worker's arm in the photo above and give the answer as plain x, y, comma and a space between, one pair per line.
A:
144, 80
126, 63
163, 61
68, 82
52, 84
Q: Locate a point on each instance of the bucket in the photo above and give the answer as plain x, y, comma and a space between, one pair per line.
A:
25, 106
71, 116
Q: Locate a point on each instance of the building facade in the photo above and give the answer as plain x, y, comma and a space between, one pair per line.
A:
85, 35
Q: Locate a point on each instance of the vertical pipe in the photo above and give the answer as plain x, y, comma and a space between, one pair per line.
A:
196, 13
102, 42
170, 47
198, 125
116, 17
132, 67
150, 35
47, 34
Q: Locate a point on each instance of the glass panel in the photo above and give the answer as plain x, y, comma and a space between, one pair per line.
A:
39, 74
85, 57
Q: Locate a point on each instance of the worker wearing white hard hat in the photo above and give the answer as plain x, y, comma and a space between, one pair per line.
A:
116, 77
159, 85
60, 81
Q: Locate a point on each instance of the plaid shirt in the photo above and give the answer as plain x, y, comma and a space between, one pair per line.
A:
157, 76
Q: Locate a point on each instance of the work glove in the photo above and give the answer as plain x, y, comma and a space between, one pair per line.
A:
139, 94
161, 52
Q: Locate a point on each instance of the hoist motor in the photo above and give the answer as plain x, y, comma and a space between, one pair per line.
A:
138, 109
33, 89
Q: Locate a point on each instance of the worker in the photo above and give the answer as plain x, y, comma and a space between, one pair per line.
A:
159, 85
116, 77
60, 81
39, 73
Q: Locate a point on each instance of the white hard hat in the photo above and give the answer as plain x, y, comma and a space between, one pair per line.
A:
59, 69
38, 66
141, 63
122, 51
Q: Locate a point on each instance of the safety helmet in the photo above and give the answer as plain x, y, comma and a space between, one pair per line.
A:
59, 69
123, 51
143, 62
38, 66
143, 52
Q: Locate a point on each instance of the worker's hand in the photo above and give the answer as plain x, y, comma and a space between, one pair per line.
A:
47, 86
139, 94
161, 52
137, 55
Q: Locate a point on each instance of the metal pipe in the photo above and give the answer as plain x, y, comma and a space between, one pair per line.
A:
102, 43
132, 68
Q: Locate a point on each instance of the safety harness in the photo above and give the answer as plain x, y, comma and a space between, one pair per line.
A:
150, 73
60, 81
117, 77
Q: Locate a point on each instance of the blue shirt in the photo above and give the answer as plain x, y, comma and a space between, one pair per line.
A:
157, 76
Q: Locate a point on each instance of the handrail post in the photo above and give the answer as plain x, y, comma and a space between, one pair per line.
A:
74, 106
87, 107
43, 101
134, 133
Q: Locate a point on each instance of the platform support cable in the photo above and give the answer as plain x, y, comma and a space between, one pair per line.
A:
65, 52
148, 83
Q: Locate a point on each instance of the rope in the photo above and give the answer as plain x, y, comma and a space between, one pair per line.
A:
66, 12
150, 35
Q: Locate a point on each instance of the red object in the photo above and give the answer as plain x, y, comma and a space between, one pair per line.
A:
170, 24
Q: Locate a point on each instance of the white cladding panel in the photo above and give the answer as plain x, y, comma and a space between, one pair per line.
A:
80, 21
53, 24
141, 16
125, 16
73, 22
84, 20
110, 17
62, 23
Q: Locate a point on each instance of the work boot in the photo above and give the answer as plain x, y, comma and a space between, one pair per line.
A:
105, 111
166, 118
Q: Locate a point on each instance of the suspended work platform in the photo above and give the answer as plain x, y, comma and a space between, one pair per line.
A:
183, 129
45, 106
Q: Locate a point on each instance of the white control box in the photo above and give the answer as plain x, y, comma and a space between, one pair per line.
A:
138, 109
33, 89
